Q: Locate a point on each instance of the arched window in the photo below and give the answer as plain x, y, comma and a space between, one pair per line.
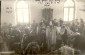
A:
22, 12
69, 9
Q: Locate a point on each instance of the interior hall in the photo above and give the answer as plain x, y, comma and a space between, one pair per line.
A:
32, 27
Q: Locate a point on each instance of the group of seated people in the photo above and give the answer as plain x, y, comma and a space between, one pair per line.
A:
47, 33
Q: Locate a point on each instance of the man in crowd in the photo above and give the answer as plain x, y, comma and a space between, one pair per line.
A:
81, 26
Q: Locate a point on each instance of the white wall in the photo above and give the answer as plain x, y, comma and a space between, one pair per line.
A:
7, 17
79, 13
35, 11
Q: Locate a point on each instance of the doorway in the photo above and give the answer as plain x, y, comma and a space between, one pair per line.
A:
47, 14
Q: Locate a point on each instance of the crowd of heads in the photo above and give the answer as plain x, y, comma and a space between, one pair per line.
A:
77, 25
39, 29
74, 24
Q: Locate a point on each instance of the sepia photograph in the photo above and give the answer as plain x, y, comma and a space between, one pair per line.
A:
42, 27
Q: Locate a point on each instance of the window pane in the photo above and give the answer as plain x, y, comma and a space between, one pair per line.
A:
20, 15
69, 3
71, 14
65, 14
22, 12
22, 4
25, 14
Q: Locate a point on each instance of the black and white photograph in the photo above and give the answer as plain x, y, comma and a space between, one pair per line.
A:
42, 27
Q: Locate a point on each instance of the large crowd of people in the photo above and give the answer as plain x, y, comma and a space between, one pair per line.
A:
48, 34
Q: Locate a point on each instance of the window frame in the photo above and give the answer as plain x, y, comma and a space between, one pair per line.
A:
16, 14
69, 7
